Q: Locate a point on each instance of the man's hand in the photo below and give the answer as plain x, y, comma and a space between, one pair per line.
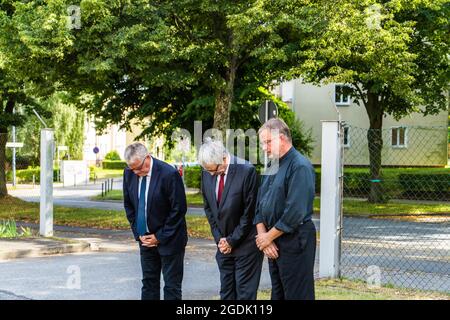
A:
271, 251
224, 246
149, 240
263, 240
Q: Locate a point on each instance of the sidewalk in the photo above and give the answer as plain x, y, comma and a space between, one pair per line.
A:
66, 240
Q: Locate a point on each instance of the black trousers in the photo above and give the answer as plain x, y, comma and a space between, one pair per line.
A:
240, 275
152, 264
292, 273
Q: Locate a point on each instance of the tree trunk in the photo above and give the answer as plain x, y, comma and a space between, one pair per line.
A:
9, 110
375, 145
224, 100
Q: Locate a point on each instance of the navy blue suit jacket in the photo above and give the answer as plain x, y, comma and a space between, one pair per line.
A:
166, 206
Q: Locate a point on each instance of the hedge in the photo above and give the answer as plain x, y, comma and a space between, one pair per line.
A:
411, 185
27, 175
114, 164
425, 186
192, 177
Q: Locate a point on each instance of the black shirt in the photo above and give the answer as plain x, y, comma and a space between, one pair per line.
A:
286, 195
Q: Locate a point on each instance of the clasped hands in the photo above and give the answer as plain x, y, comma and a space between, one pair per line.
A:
265, 243
149, 240
224, 246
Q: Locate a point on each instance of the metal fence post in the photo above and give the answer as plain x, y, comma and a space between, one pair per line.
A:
330, 202
46, 183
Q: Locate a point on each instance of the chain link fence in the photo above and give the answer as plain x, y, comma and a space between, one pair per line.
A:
401, 234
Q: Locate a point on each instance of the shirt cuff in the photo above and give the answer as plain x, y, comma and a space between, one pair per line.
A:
280, 225
258, 219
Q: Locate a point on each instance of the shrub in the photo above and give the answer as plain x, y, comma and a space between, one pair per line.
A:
113, 156
26, 176
425, 186
192, 177
113, 164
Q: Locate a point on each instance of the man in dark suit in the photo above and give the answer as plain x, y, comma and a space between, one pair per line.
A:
229, 187
155, 204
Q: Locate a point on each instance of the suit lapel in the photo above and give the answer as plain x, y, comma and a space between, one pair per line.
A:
153, 181
212, 192
135, 190
228, 182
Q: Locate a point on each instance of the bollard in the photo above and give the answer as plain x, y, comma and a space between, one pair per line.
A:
102, 190
112, 181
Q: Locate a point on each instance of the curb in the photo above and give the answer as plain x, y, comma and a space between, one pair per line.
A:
47, 251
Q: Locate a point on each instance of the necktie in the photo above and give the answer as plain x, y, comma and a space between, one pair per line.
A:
141, 221
221, 185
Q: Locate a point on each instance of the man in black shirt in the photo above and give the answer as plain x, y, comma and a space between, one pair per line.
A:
286, 233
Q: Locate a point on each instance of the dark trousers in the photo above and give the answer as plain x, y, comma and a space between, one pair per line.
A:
172, 269
240, 275
292, 273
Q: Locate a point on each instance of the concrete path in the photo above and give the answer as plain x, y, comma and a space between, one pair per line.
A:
107, 275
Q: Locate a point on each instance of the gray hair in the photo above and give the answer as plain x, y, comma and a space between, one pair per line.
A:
277, 124
135, 151
211, 152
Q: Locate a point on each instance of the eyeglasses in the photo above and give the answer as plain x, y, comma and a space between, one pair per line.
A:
140, 167
213, 171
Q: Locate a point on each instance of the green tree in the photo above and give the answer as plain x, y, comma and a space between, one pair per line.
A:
32, 38
174, 61
394, 55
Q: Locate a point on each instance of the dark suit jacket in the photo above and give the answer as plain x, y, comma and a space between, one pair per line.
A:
233, 218
166, 206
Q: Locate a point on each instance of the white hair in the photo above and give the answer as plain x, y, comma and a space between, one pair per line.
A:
211, 152
135, 151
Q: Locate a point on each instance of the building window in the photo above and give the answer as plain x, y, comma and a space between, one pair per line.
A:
346, 137
399, 137
341, 95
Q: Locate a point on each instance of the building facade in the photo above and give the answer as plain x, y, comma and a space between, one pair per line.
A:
414, 140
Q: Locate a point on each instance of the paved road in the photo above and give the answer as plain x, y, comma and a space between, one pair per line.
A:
106, 275
410, 254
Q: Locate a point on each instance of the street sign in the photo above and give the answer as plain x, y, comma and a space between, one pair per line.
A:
14, 144
267, 110
96, 150
63, 148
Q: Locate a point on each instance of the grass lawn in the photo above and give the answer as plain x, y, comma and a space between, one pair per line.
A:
343, 289
107, 173
15, 209
111, 195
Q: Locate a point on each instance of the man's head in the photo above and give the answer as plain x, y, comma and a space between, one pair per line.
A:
275, 138
137, 159
212, 156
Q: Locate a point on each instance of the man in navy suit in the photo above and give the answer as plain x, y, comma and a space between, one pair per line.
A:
229, 187
155, 204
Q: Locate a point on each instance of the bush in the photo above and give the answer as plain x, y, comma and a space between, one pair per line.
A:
26, 176
113, 156
22, 162
113, 164
425, 186
192, 177
356, 184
